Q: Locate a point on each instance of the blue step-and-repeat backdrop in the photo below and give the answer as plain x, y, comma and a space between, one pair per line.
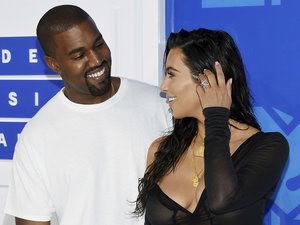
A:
267, 33
26, 84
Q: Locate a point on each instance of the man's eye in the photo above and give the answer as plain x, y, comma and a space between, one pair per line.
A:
99, 44
77, 57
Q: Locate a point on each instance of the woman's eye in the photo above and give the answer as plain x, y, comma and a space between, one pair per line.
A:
169, 74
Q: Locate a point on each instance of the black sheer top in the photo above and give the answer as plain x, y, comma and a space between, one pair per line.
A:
236, 187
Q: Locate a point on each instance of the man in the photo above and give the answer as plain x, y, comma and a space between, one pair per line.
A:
81, 155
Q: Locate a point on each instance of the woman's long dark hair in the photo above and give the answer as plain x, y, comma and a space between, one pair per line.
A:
201, 48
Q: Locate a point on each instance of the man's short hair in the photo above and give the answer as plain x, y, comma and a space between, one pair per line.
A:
58, 19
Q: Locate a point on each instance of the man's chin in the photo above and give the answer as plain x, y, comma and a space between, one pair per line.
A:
103, 88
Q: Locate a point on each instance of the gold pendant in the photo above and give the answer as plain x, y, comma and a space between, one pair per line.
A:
200, 151
195, 181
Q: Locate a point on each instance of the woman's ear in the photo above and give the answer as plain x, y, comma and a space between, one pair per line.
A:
51, 62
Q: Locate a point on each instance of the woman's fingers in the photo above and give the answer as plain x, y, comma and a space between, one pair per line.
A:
220, 74
217, 80
213, 90
229, 87
210, 78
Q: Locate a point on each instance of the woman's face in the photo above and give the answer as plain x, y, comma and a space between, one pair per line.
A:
180, 88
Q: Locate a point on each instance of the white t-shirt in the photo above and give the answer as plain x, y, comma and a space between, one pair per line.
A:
82, 162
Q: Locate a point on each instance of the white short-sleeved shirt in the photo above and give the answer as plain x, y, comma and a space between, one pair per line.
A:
82, 162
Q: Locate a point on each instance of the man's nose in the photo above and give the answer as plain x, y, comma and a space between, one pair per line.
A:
94, 59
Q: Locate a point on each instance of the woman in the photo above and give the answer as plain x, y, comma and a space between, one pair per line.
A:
216, 166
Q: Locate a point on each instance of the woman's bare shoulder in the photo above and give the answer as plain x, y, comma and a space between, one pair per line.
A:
153, 149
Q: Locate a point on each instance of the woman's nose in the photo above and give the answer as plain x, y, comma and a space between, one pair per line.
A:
163, 86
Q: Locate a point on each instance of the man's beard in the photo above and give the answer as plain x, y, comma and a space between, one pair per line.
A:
105, 87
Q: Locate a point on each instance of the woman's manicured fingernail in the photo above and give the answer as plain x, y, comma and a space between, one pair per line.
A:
217, 63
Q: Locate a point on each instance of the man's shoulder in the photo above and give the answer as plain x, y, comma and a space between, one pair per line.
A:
136, 87
139, 93
140, 83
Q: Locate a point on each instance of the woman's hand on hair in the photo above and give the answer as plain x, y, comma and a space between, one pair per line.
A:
218, 92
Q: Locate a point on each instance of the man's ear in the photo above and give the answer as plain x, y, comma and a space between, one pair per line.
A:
51, 62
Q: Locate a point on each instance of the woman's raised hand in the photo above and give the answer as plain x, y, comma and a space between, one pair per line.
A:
213, 91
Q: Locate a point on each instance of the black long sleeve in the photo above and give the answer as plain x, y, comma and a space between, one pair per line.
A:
231, 186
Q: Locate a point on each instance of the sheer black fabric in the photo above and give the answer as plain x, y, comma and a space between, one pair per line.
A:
237, 186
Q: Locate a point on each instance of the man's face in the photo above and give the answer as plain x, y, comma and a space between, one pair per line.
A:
83, 60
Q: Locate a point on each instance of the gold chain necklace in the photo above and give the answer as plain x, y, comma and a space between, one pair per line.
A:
199, 152
197, 176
